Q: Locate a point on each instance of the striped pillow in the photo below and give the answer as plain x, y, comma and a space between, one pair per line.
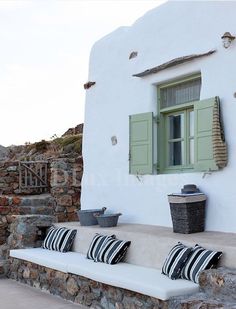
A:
113, 251
96, 245
59, 239
175, 261
199, 260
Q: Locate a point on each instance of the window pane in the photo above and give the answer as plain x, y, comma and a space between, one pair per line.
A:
181, 93
176, 126
176, 153
191, 123
191, 153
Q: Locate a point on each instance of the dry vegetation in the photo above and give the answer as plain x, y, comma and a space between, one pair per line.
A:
70, 145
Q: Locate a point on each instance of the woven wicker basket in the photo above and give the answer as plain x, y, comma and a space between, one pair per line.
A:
188, 217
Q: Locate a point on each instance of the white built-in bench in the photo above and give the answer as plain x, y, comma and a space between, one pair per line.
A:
148, 281
141, 270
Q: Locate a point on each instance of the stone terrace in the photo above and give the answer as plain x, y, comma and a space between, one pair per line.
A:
217, 286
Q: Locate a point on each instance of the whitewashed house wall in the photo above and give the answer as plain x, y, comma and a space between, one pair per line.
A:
172, 30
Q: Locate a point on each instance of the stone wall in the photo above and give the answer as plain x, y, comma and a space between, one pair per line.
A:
9, 178
65, 181
10, 206
26, 231
64, 175
18, 209
79, 289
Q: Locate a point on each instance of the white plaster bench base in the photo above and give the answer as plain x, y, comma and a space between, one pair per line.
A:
143, 280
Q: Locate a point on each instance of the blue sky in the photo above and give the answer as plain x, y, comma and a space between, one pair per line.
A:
44, 53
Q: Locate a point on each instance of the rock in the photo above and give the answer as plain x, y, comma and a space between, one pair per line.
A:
26, 273
95, 306
33, 274
73, 131
220, 282
72, 287
79, 298
4, 201
12, 168
4, 210
114, 294
119, 306
16, 200
65, 200
3, 152
61, 275
104, 303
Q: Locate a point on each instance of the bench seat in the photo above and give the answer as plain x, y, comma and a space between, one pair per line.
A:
144, 280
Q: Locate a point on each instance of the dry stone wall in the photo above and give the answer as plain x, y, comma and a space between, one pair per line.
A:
79, 289
25, 231
62, 200
10, 206
28, 231
66, 175
9, 178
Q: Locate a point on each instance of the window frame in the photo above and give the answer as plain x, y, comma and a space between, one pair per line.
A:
162, 134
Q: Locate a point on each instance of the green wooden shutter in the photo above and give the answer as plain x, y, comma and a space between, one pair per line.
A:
203, 119
141, 143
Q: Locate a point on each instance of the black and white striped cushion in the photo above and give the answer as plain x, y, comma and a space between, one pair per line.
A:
175, 261
113, 251
96, 245
59, 239
199, 260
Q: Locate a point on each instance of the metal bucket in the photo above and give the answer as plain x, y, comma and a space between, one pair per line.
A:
107, 220
87, 218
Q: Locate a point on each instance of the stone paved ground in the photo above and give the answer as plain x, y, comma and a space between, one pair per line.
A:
14, 295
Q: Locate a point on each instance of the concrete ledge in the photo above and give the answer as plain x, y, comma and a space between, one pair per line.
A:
151, 244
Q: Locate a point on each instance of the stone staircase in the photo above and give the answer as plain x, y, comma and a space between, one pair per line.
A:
43, 204
218, 290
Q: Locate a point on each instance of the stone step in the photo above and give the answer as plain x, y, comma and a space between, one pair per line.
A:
35, 210
27, 200
36, 200
36, 205
200, 301
42, 204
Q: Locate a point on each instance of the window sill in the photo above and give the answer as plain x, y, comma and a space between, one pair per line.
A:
177, 170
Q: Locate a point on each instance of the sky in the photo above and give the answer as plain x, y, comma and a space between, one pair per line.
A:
44, 56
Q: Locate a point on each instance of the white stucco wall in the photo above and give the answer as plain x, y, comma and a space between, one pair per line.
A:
172, 30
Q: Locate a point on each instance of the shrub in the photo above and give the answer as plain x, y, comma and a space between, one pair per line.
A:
41, 146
